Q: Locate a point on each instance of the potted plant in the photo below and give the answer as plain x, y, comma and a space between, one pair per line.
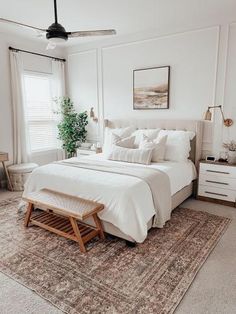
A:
72, 127
231, 147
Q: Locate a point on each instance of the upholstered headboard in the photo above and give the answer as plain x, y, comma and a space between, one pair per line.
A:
185, 125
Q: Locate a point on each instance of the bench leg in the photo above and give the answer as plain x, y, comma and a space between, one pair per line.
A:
28, 214
77, 234
99, 226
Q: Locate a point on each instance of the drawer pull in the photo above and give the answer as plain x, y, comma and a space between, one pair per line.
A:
223, 172
216, 194
223, 183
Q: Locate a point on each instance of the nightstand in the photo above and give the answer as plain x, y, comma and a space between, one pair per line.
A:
86, 151
217, 183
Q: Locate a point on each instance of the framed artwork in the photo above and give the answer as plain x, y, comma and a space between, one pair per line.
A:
151, 88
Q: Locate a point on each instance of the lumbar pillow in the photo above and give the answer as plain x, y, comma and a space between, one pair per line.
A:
122, 132
177, 145
140, 156
158, 146
151, 133
127, 142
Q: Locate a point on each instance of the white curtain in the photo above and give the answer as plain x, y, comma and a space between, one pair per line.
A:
58, 90
20, 134
58, 82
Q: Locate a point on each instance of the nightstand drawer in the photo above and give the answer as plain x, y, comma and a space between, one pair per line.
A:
85, 152
218, 181
218, 170
217, 193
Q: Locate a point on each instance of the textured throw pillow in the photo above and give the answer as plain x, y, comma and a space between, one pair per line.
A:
122, 132
158, 146
177, 145
151, 133
140, 156
127, 142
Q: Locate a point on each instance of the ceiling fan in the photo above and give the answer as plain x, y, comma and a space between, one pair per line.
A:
56, 33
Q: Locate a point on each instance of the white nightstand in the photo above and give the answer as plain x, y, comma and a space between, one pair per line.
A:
217, 182
86, 152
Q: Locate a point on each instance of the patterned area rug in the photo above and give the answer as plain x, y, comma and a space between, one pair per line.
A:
110, 277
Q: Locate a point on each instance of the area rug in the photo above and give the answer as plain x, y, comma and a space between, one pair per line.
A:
110, 278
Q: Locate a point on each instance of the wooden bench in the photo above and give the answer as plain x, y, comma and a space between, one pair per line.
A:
64, 215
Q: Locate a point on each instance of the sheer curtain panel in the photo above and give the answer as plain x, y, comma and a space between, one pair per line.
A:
58, 90
20, 134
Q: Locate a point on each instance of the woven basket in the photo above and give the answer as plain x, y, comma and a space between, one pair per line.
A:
19, 174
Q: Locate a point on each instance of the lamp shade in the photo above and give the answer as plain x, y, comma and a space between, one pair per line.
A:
208, 115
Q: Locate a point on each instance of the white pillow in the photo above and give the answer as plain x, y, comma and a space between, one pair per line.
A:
140, 156
122, 132
158, 145
177, 145
127, 142
151, 133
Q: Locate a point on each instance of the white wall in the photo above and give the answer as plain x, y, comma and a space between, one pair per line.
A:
203, 71
32, 63
82, 84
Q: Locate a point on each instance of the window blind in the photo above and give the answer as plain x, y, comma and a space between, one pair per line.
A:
40, 117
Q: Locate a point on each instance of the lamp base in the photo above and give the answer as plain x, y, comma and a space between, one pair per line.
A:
228, 122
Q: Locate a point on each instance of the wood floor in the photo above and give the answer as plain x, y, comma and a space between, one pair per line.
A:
212, 292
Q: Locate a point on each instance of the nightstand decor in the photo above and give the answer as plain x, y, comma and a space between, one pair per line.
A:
208, 115
217, 183
231, 147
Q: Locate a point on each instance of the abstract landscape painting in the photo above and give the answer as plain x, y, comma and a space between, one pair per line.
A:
151, 88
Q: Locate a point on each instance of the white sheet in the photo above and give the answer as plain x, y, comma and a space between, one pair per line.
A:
128, 200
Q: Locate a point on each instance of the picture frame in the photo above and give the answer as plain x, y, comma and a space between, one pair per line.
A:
151, 88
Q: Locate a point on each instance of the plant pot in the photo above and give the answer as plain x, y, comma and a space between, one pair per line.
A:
232, 157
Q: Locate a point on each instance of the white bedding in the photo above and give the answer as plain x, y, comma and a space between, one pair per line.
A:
180, 173
128, 200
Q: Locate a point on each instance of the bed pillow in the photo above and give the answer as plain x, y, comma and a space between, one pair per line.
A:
140, 156
158, 146
121, 132
151, 133
177, 145
127, 142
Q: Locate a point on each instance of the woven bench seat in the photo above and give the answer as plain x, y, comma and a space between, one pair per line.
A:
64, 215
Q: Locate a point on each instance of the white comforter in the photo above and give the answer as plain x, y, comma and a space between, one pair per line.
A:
128, 200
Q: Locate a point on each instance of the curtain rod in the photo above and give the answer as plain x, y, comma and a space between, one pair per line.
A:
37, 54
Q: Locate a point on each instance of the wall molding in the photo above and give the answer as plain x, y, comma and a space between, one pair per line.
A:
220, 65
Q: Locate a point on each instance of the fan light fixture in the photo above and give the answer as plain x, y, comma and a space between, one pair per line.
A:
208, 116
56, 33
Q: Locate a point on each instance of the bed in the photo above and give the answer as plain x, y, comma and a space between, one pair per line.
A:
129, 206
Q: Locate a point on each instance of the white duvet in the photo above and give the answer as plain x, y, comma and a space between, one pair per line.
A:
128, 200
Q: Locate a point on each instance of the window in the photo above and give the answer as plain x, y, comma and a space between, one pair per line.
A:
40, 119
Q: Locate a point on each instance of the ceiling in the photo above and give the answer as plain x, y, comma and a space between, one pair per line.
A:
126, 16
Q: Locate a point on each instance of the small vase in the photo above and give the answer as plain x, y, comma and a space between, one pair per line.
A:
232, 157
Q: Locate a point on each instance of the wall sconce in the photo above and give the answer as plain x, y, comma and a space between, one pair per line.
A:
208, 116
92, 115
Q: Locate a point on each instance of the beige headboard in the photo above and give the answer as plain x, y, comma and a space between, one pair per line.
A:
185, 125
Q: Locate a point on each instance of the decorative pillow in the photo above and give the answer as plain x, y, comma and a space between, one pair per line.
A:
158, 146
177, 145
122, 132
151, 133
140, 156
127, 142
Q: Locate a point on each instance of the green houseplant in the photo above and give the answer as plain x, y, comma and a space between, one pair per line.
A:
72, 127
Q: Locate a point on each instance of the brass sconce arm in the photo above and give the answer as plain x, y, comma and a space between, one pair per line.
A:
208, 115
92, 115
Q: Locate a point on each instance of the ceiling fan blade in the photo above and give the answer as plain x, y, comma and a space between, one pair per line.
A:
51, 46
91, 33
22, 25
